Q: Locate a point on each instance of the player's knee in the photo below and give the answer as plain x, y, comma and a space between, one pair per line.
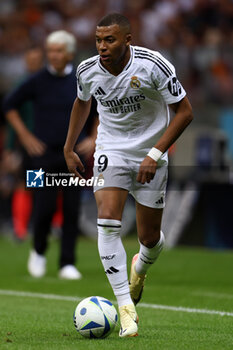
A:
151, 238
108, 213
108, 216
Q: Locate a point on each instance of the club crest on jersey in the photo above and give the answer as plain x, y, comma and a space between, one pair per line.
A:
135, 83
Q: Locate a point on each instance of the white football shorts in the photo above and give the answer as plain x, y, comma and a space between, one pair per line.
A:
116, 170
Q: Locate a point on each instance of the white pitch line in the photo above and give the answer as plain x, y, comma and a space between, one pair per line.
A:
187, 309
214, 295
144, 305
38, 295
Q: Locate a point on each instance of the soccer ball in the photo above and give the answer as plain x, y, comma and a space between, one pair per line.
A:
95, 317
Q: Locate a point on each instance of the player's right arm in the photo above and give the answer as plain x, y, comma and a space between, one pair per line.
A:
79, 115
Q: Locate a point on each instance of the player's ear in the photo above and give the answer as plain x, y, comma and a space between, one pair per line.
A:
128, 39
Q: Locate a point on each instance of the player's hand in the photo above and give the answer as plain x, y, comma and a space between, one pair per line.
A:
147, 170
73, 163
34, 146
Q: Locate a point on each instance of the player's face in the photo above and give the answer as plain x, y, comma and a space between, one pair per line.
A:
58, 56
112, 43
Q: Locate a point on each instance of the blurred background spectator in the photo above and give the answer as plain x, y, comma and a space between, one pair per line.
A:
13, 157
197, 37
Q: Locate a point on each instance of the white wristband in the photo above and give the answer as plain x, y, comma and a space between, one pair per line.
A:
154, 153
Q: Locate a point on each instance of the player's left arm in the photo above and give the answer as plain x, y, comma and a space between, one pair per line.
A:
87, 146
183, 117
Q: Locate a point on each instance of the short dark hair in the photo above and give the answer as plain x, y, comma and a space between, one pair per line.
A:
114, 18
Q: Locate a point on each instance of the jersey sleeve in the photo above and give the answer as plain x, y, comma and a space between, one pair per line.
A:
166, 82
83, 91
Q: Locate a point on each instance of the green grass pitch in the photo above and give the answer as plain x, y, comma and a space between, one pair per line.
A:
186, 291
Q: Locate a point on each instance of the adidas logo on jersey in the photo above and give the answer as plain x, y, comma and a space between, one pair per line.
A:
160, 201
111, 270
100, 91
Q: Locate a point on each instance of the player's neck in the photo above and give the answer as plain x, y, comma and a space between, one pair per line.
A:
117, 68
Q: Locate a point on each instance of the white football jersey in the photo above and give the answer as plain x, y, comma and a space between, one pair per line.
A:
133, 106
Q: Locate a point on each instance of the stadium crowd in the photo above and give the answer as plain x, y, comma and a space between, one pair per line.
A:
195, 35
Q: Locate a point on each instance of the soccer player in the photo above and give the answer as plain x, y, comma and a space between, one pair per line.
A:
134, 87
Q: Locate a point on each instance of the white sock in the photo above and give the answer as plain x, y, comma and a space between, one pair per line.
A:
113, 257
147, 256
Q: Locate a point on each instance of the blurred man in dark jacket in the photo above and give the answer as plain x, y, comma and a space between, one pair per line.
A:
52, 91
